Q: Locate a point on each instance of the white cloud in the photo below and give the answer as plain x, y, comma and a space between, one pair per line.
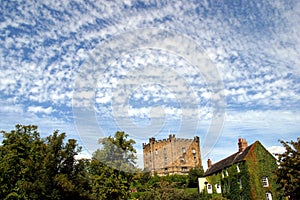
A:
40, 109
41, 57
276, 149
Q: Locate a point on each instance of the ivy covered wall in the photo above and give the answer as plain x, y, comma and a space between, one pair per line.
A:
261, 163
243, 180
234, 183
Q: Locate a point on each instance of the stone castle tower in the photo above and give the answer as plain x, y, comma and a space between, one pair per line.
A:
172, 155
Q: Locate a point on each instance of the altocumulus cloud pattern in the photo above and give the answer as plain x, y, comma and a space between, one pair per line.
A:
253, 45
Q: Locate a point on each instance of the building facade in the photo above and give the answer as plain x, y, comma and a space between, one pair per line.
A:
172, 155
246, 174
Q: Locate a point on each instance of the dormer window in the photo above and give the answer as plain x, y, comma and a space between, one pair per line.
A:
265, 181
226, 172
238, 168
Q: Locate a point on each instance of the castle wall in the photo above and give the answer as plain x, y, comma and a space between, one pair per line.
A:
172, 155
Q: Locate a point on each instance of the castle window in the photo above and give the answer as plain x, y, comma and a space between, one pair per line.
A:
183, 150
166, 160
195, 159
166, 170
165, 151
182, 160
268, 196
193, 151
265, 181
156, 152
184, 169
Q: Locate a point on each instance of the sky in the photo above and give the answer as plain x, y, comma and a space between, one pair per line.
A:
219, 70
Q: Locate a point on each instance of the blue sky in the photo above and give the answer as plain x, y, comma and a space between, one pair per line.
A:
216, 69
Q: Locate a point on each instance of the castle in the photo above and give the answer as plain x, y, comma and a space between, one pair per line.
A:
172, 155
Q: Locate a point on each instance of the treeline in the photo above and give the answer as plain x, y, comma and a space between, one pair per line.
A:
32, 167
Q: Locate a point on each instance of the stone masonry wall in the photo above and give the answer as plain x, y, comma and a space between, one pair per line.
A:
172, 155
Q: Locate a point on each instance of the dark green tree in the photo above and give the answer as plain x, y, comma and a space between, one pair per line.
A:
21, 158
112, 167
117, 152
193, 176
35, 168
288, 173
65, 176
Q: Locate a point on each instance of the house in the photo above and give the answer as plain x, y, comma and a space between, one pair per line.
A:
246, 174
172, 155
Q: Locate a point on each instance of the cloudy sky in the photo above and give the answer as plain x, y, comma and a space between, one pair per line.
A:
216, 69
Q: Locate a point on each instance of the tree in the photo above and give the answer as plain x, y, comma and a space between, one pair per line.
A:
288, 173
21, 158
112, 167
32, 167
193, 176
64, 176
117, 152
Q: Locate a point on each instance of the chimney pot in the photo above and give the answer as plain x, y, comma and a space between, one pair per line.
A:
209, 163
242, 144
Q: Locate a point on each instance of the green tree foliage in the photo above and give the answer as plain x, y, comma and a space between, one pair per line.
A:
35, 168
21, 163
288, 173
193, 176
112, 167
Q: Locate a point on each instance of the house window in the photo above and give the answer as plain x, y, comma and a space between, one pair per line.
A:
268, 196
265, 181
218, 188
183, 150
209, 188
238, 168
241, 184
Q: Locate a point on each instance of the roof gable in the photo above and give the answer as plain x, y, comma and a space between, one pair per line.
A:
230, 160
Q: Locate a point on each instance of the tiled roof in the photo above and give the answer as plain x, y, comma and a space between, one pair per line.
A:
230, 160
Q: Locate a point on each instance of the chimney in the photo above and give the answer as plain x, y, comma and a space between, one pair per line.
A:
209, 164
242, 143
